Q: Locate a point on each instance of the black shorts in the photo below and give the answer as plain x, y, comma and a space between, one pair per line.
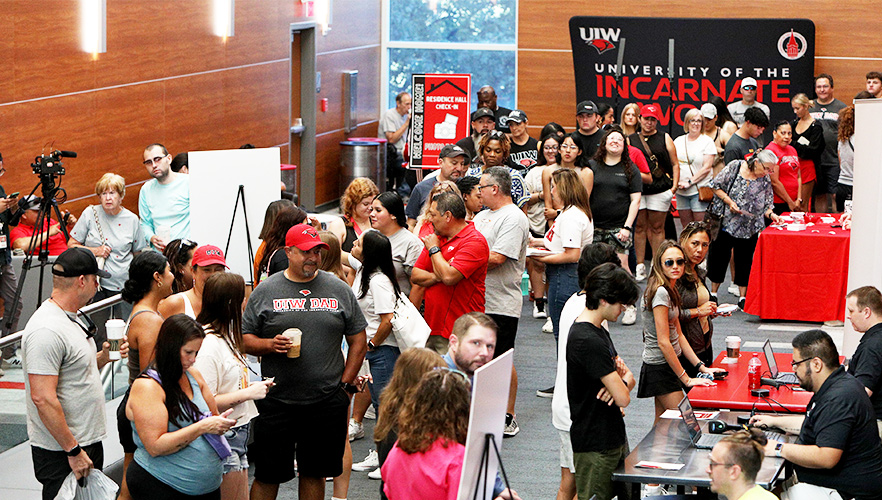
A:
143, 486
124, 427
658, 380
313, 434
506, 331
51, 468
827, 179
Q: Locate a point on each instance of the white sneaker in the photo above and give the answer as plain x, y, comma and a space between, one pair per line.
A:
548, 327
537, 313
640, 272
629, 317
375, 474
370, 414
734, 290
370, 462
356, 430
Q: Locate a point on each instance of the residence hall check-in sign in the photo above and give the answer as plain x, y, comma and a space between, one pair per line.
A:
440, 115
707, 57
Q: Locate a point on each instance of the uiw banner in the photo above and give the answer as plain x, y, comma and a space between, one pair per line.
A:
680, 63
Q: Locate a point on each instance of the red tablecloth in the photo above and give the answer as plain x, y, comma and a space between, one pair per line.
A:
733, 393
800, 275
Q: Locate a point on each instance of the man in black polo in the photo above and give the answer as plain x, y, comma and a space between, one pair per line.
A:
838, 449
864, 306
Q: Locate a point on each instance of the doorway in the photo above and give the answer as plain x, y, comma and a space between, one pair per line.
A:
302, 113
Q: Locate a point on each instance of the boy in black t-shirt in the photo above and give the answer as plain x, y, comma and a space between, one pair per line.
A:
599, 384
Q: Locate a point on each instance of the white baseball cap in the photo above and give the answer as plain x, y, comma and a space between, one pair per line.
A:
747, 82
708, 111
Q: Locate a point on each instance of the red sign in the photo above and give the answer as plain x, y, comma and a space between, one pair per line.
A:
440, 115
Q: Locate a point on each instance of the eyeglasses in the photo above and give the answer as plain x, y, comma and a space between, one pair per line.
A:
697, 120
486, 186
794, 364
156, 159
713, 464
567, 146
671, 262
550, 147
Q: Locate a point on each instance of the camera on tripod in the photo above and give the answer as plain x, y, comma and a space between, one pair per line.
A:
49, 165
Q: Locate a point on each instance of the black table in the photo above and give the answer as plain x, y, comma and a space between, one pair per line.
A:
669, 442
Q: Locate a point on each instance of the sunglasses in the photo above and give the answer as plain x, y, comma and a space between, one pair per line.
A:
90, 329
671, 262
697, 224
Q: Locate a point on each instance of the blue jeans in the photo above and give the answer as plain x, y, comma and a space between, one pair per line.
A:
382, 361
563, 282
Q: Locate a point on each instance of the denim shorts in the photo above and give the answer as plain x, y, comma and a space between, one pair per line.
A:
237, 437
691, 202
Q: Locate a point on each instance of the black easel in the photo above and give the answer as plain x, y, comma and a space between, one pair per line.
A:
485, 466
241, 194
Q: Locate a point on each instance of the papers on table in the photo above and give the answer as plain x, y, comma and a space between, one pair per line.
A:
539, 252
647, 464
700, 415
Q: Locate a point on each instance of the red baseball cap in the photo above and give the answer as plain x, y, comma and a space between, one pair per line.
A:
207, 255
651, 110
304, 237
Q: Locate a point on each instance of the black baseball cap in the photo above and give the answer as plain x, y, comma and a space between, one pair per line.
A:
30, 202
77, 261
452, 151
587, 107
481, 113
517, 116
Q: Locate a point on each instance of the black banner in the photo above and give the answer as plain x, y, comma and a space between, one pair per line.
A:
710, 57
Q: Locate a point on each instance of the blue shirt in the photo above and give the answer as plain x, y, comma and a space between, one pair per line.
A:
165, 205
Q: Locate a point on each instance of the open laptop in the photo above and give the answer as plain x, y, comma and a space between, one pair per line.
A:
699, 440
783, 377
707, 441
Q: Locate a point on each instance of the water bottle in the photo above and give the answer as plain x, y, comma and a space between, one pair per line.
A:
754, 369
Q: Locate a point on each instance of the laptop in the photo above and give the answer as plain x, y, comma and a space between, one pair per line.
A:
707, 441
699, 440
783, 377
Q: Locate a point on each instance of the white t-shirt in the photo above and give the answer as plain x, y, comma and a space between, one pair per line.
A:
691, 156
507, 232
536, 211
571, 229
224, 373
379, 299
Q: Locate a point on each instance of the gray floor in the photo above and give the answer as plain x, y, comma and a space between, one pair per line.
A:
531, 458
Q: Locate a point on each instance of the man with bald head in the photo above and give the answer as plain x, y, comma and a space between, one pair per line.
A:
487, 99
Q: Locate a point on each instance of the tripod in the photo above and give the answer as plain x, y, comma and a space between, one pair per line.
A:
40, 239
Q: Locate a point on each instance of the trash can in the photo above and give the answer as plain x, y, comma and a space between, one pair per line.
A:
363, 158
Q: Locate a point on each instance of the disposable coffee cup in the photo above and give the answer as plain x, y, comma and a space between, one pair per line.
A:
294, 334
733, 346
163, 233
116, 328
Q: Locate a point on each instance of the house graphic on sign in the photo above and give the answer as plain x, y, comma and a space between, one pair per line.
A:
445, 82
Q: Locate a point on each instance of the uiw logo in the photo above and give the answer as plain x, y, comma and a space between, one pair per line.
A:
600, 38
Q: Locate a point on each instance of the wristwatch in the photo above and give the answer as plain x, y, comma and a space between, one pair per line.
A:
350, 388
371, 344
778, 448
434, 250
74, 451
629, 228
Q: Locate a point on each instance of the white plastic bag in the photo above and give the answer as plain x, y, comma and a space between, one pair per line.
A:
98, 487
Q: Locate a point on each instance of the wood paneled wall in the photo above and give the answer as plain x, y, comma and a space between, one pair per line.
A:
167, 78
846, 34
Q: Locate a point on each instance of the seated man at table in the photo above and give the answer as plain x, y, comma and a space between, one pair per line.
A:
838, 450
599, 384
734, 463
864, 310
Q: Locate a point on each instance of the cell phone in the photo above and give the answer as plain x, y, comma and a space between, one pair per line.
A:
14, 195
721, 375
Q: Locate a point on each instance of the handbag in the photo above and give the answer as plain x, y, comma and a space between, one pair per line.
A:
661, 180
101, 260
713, 218
408, 325
705, 193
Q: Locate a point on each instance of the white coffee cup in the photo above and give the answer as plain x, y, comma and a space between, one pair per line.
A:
733, 346
116, 329
295, 335
164, 234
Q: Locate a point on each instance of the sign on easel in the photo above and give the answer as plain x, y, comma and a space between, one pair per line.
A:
440, 115
215, 177
490, 388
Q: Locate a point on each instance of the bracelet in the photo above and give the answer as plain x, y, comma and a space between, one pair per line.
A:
679, 377
699, 365
74, 451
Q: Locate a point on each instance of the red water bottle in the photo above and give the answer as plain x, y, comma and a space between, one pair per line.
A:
754, 369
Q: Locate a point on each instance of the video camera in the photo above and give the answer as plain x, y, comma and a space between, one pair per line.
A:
49, 165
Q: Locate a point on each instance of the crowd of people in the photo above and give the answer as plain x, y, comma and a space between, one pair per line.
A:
582, 215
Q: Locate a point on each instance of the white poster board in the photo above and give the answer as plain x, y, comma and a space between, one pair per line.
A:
490, 388
215, 177
864, 266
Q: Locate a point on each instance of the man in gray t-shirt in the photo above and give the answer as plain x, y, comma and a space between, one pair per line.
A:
64, 395
304, 416
507, 231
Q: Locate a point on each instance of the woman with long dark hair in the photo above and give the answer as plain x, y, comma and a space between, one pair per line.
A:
274, 259
268, 218
387, 217
222, 363
180, 257
207, 260
696, 307
167, 404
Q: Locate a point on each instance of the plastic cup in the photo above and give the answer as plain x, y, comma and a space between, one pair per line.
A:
116, 329
733, 346
294, 334
163, 233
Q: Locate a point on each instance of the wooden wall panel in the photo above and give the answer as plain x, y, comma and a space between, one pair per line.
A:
355, 23
256, 105
332, 67
545, 61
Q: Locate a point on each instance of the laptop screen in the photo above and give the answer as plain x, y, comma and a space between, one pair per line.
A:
689, 419
770, 358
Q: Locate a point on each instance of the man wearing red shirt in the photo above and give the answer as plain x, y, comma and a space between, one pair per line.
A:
452, 268
23, 233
